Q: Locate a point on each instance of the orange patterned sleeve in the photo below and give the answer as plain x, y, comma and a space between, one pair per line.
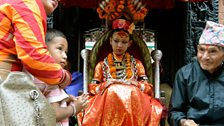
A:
94, 87
98, 74
144, 85
140, 68
25, 21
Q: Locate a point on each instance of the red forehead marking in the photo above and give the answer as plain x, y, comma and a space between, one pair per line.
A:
206, 46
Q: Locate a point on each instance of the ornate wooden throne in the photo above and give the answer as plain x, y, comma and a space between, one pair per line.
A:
138, 49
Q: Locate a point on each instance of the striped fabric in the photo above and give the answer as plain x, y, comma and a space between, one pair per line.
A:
22, 34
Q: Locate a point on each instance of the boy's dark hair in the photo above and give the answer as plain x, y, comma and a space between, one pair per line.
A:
52, 33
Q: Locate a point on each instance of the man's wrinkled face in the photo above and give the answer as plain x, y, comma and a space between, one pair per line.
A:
210, 57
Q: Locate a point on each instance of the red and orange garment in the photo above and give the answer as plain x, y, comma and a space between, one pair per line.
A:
22, 41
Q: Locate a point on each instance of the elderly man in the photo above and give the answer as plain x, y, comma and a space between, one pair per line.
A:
198, 90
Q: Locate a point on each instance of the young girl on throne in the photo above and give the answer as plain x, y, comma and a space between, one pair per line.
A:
121, 94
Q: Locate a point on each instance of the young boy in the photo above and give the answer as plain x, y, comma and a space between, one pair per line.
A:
64, 105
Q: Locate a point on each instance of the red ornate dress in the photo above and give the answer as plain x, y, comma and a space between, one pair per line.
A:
121, 104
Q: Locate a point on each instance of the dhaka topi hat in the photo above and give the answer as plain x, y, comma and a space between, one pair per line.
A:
213, 34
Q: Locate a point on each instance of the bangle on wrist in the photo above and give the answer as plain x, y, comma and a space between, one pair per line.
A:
129, 83
97, 89
74, 109
142, 87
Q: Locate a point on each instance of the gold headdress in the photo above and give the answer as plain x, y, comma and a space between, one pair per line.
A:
132, 10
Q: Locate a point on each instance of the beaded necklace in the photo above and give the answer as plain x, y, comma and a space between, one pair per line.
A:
113, 69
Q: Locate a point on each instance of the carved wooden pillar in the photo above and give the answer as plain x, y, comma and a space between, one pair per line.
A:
197, 15
50, 21
221, 11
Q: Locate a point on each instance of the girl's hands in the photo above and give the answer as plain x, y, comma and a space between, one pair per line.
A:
80, 102
115, 81
129, 82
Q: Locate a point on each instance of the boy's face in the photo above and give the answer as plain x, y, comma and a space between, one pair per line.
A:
210, 57
50, 5
58, 47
